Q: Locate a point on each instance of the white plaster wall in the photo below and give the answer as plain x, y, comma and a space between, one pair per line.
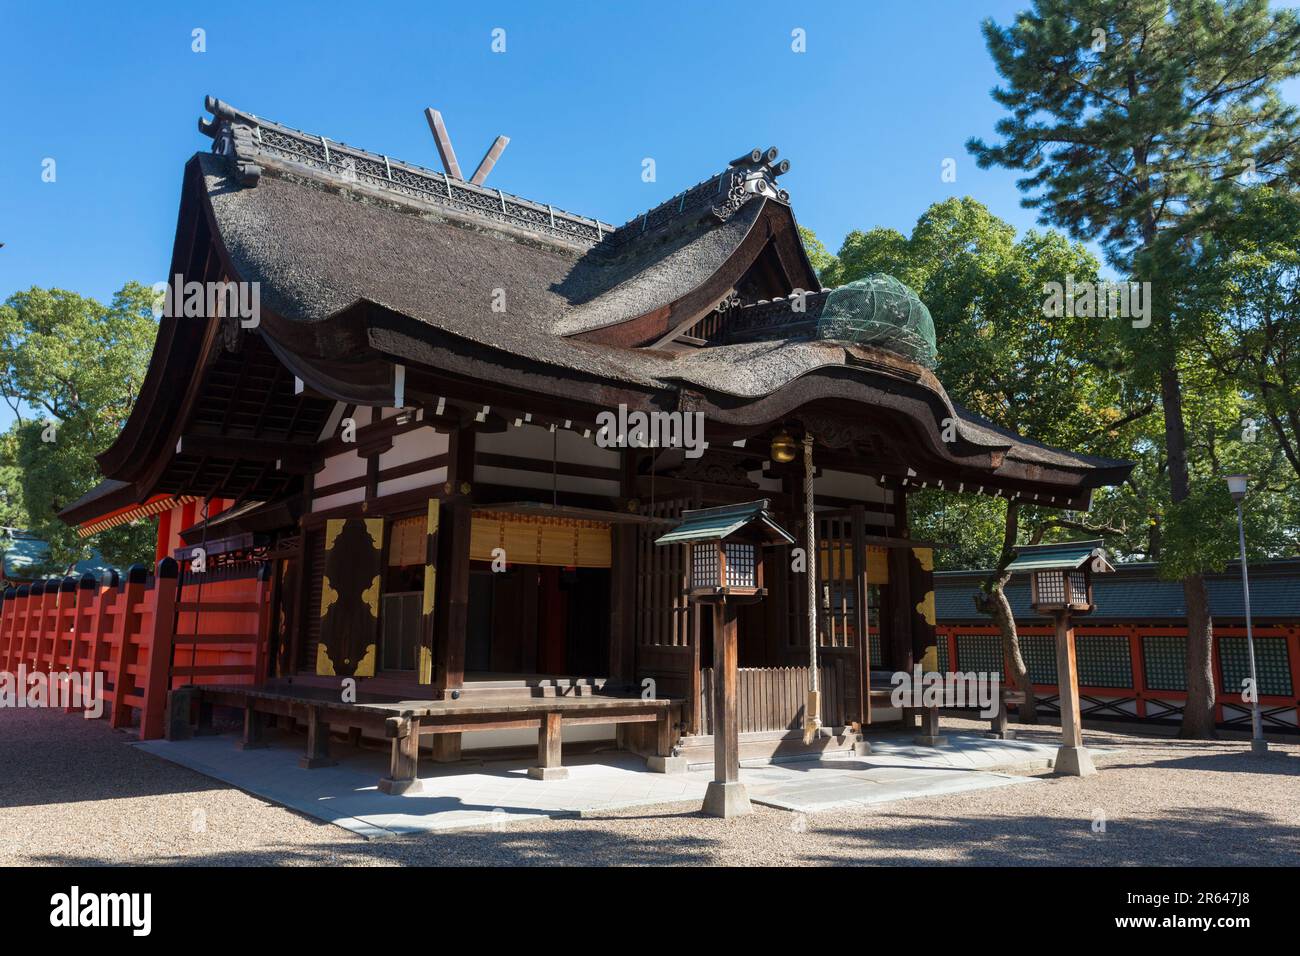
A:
843, 484
424, 479
533, 441
412, 446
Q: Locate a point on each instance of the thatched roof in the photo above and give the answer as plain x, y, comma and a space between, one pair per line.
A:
364, 261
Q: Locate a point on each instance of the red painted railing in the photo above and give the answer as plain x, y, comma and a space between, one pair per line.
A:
1138, 699
128, 631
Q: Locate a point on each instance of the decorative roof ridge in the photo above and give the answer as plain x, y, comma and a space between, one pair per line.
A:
753, 174
248, 139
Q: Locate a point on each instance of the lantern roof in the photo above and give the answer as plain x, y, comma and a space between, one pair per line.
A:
1062, 556
714, 524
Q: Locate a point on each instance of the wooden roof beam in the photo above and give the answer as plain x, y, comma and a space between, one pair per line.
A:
245, 449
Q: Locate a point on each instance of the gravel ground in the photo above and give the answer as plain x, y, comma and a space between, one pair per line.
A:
73, 791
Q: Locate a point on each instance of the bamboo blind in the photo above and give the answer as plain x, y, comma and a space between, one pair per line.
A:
540, 539
407, 544
837, 561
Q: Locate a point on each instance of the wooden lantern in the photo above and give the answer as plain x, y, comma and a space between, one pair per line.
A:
1060, 575
726, 569
1060, 581
726, 546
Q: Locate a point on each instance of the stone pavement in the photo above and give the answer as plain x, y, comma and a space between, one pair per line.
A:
496, 793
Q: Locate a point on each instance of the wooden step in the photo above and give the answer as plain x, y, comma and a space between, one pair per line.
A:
768, 745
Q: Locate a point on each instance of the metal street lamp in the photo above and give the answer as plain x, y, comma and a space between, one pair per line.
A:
1237, 488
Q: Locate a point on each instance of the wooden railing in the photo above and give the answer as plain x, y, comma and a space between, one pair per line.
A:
773, 698
1136, 671
126, 630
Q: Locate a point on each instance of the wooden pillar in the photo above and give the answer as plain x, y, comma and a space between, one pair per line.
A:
160, 641
999, 723
451, 615
861, 615
252, 739
929, 735
1071, 759
452, 612
125, 621
445, 748
548, 749
204, 727
900, 610
265, 622
404, 757
726, 795
318, 741
622, 585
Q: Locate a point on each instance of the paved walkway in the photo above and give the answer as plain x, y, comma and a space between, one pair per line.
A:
74, 792
494, 794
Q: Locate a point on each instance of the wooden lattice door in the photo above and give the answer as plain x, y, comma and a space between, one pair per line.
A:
667, 625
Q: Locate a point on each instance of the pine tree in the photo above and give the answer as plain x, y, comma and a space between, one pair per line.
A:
1136, 120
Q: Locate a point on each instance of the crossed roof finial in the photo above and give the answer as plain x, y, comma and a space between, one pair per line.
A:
448, 154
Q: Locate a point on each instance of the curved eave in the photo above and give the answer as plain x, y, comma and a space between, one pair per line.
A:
176, 355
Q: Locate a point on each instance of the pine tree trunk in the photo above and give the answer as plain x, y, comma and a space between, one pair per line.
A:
1198, 715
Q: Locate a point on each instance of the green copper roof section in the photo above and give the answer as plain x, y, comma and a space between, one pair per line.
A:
1065, 556
880, 311
711, 524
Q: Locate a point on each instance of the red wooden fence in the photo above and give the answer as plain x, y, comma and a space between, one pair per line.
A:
1138, 668
140, 634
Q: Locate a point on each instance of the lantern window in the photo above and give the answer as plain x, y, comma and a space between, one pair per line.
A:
704, 565
741, 564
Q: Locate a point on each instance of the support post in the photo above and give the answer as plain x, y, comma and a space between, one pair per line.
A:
252, 739
548, 749
180, 704
726, 796
666, 735
125, 622
318, 742
998, 729
929, 735
451, 620
445, 748
161, 643
204, 727
1071, 759
404, 756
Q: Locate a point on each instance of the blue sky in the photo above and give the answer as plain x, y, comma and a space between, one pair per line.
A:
884, 94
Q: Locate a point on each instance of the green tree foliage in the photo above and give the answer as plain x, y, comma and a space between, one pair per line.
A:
70, 368
1002, 356
822, 261
1243, 293
12, 512
1134, 119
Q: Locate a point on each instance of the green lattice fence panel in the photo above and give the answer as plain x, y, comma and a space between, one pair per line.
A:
1104, 661
1039, 652
943, 654
873, 648
1272, 665
980, 652
1164, 658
